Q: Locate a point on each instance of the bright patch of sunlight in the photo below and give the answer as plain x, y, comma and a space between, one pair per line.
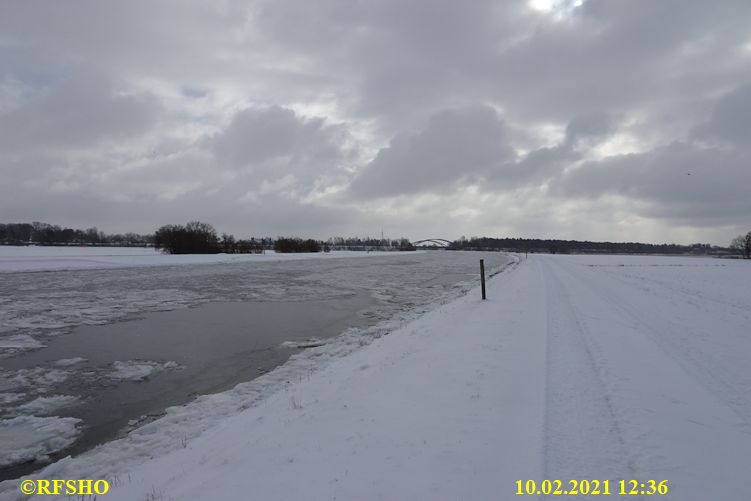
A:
556, 8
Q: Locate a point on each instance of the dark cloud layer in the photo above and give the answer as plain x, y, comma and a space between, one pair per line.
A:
455, 145
729, 119
75, 113
255, 137
326, 116
680, 182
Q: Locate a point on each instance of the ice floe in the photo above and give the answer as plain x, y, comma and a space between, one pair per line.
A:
33, 438
138, 370
19, 342
67, 362
304, 343
44, 406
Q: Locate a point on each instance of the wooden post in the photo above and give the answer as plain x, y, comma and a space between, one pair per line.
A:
482, 277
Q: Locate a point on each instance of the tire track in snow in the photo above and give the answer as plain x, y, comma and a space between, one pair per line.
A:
709, 371
694, 295
670, 424
582, 433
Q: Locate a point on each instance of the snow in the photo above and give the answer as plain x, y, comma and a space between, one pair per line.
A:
138, 370
48, 258
594, 367
32, 438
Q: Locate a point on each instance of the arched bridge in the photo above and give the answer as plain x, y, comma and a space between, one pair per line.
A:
440, 242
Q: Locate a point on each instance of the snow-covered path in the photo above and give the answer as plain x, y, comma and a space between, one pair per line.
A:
577, 367
646, 382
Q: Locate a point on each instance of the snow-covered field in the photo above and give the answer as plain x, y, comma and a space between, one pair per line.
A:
577, 367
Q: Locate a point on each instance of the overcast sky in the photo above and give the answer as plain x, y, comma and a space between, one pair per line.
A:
624, 120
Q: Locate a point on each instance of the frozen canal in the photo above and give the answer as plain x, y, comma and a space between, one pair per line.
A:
87, 354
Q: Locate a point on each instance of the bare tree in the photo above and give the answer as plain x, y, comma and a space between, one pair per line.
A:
742, 243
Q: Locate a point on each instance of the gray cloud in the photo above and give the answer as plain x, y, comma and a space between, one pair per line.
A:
283, 152
730, 118
590, 127
535, 167
680, 182
349, 107
691, 182
75, 113
455, 145
258, 135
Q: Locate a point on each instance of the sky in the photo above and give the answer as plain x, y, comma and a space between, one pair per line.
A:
621, 120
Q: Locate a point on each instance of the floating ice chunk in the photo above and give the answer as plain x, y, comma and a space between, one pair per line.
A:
44, 406
9, 398
38, 378
133, 370
67, 362
32, 438
20, 342
138, 370
304, 343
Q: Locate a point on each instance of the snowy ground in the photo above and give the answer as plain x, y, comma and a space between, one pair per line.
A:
577, 367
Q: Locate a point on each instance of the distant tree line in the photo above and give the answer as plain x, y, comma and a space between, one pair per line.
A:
580, 247
369, 243
742, 245
47, 234
294, 244
201, 238
195, 237
230, 245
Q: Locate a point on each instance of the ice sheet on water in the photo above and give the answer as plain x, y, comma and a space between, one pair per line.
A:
33, 438
15, 259
93, 297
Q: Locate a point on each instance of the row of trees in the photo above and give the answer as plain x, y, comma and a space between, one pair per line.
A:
231, 245
369, 243
201, 238
576, 246
48, 234
194, 237
742, 244
298, 245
